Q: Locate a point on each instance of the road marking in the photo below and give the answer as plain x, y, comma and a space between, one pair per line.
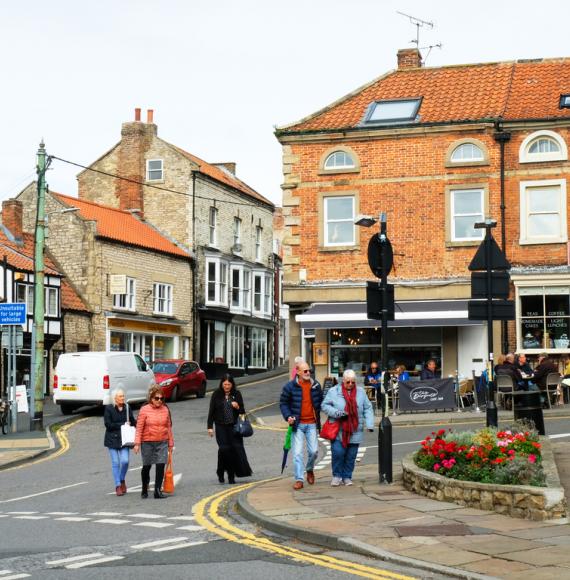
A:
179, 546
138, 488
559, 436
153, 524
110, 521
72, 519
15, 576
31, 517
105, 514
191, 528
21, 513
62, 513
158, 543
94, 562
184, 518
42, 492
147, 516
208, 515
73, 559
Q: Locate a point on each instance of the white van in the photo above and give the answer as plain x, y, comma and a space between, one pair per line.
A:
89, 378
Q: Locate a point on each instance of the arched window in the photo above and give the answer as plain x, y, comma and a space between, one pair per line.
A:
543, 146
339, 160
467, 152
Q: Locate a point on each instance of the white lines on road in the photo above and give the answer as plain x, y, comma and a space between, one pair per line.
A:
62, 513
559, 436
158, 543
111, 521
147, 516
105, 514
94, 562
191, 528
72, 519
31, 517
42, 492
179, 546
21, 513
73, 559
153, 524
13, 576
183, 518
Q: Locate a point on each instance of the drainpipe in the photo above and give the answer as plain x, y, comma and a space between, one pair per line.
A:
194, 269
502, 138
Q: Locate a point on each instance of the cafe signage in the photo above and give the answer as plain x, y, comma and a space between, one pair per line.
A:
427, 395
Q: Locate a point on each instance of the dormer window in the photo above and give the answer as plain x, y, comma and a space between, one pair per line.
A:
154, 170
543, 146
564, 101
392, 111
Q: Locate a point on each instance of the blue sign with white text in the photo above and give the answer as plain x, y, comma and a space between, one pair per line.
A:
12, 313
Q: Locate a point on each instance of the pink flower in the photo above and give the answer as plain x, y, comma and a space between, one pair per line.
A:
437, 467
532, 458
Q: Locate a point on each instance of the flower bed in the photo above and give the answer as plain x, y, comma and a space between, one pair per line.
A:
510, 456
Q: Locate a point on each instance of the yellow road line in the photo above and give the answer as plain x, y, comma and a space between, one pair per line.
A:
207, 514
61, 434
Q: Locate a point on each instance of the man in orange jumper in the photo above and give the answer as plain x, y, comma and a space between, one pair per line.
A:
300, 405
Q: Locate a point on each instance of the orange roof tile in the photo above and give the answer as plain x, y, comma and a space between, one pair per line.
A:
70, 299
123, 226
512, 90
21, 256
225, 177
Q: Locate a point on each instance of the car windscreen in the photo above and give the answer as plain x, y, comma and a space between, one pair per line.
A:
164, 368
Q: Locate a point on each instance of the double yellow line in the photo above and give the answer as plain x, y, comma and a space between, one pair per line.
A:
207, 514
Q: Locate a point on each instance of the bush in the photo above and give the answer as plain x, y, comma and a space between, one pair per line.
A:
509, 456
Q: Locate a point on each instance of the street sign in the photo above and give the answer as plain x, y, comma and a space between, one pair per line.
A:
19, 338
498, 259
499, 284
12, 313
375, 255
500, 309
374, 301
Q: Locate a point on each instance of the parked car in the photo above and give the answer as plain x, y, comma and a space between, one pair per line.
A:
88, 378
179, 377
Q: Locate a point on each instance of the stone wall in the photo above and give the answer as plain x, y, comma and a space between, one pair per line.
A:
519, 501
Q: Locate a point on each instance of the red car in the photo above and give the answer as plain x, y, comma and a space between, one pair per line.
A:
179, 377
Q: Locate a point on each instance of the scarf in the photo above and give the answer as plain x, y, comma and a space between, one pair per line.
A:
350, 422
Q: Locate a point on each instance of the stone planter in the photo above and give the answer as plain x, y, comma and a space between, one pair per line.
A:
519, 501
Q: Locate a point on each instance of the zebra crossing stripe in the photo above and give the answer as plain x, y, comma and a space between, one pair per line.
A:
179, 546
93, 562
158, 543
73, 559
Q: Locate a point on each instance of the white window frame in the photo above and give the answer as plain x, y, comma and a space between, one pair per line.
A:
127, 301
258, 235
526, 157
258, 342
257, 296
213, 223
462, 146
332, 157
453, 215
28, 298
48, 312
350, 219
162, 298
148, 170
237, 231
557, 237
267, 294
220, 282
236, 338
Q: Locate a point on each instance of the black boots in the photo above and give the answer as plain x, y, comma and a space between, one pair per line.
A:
145, 478
159, 495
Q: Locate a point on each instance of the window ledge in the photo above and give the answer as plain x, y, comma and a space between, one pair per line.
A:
127, 310
541, 241
338, 171
451, 164
465, 244
351, 248
155, 181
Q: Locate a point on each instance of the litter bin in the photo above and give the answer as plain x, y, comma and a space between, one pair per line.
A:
527, 405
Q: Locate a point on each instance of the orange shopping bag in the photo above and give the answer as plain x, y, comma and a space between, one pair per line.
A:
168, 485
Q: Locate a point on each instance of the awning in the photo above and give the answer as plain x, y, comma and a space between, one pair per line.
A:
408, 313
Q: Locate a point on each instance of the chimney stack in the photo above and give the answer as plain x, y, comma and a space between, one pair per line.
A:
137, 114
150, 116
12, 217
409, 58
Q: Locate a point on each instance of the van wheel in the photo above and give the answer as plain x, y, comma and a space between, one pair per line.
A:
174, 395
66, 409
202, 392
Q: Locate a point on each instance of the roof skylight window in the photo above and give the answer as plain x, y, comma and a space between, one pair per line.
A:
393, 111
565, 101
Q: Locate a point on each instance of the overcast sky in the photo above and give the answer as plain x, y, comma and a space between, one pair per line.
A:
220, 74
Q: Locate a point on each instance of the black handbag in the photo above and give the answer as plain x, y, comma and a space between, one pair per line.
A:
242, 426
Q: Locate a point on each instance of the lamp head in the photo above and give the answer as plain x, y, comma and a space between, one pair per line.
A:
364, 221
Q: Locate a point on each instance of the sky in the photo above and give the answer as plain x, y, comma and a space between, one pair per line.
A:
221, 74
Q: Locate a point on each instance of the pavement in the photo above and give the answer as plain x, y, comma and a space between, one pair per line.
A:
381, 520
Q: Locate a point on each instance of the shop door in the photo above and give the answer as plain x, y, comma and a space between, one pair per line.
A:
142, 345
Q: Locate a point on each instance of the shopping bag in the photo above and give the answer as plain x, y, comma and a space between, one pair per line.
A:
128, 433
242, 427
168, 485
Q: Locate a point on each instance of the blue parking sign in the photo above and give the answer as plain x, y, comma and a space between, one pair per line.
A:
12, 313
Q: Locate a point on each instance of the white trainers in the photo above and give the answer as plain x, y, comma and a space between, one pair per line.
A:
336, 481
347, 481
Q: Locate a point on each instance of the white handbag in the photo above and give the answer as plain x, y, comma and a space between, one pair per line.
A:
128, 433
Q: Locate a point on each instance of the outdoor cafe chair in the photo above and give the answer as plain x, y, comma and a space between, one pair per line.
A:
553, 387
505, 387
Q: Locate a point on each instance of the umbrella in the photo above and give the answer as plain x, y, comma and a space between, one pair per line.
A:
286, 447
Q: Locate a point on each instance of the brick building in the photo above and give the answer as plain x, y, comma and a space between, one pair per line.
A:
228, 226
438, 149
134, 280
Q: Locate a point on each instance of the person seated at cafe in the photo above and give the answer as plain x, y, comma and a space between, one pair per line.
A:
373, 377
401, 373
544, 367
429, 371
522, 364
506, 366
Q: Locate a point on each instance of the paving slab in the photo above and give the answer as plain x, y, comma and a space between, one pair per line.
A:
540, 556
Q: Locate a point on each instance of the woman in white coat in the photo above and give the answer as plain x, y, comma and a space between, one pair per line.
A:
349, 405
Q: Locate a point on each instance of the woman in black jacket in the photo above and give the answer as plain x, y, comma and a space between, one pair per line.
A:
225, 406
116, 415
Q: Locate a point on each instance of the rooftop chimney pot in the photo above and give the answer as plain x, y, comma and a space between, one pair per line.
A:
137, 114
150, 116
409, 58
12, 210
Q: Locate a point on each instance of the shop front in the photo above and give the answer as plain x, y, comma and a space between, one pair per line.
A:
151, 339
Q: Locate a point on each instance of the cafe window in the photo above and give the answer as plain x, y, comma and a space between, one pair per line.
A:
258, 340
543, 212
544, 317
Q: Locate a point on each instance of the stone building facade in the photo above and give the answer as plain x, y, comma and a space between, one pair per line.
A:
437, 149
227, 225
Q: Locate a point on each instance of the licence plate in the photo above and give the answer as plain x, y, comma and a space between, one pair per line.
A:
69, 388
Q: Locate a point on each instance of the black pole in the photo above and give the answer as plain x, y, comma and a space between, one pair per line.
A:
492, 416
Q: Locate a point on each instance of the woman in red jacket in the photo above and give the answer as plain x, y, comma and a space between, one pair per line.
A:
154, 439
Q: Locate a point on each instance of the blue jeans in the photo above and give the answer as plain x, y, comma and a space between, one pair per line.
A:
120, 463
305, 432
343, 459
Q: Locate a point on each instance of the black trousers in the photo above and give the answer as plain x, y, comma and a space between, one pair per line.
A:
158, 476
231, 453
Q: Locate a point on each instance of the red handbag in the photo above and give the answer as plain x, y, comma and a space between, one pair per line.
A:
329, 430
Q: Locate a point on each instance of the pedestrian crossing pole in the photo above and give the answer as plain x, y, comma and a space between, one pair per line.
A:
38, 361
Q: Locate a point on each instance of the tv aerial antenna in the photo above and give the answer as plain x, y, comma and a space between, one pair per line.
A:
419, 23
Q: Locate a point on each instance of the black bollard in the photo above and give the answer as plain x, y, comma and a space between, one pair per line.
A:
492, 411
385, 450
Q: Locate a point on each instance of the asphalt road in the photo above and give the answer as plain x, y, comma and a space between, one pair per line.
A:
61, 518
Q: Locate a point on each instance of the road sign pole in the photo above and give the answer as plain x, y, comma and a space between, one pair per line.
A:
492, 414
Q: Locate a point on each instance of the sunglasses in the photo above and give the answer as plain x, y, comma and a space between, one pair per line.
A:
350, 382
158, 398
307, 371
373, 368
